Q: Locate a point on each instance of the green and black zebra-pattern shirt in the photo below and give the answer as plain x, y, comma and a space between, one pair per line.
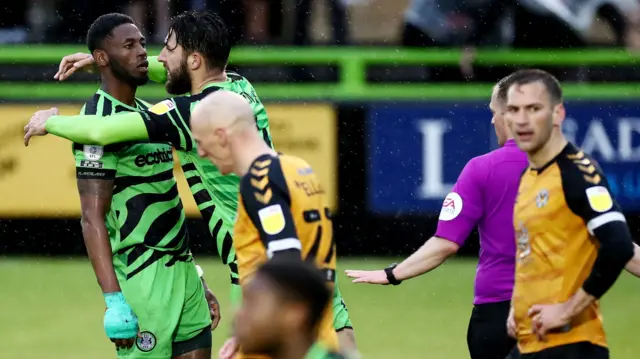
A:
215, 194
146, 220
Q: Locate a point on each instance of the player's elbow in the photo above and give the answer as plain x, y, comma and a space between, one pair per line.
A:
444, 247
98, 137
616, 245
90, 221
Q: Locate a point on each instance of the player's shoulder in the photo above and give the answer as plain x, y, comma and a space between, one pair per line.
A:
264, 172
578, 170
142, 104
583, 181
234, 76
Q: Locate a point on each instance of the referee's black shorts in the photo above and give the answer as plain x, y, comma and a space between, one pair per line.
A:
487, 336
582, 350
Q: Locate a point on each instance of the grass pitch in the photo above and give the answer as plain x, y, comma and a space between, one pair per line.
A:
53, 309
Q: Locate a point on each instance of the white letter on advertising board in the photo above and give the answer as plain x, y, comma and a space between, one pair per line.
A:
433, 186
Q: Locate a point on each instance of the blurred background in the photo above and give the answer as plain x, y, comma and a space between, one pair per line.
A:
387, 99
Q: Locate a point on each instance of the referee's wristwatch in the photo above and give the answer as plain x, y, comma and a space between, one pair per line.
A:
390, 277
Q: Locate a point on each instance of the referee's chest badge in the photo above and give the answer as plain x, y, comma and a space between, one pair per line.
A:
146, 341
542, 198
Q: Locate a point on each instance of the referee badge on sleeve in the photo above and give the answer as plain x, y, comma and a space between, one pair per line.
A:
451, 207
599, 198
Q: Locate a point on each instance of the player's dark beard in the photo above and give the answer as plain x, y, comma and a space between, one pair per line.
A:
179, 82
123, 75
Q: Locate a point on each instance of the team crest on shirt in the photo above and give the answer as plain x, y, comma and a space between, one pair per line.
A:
599, 198
162, 107
451, 207
146, 341
93, 153
542, 198
272, 219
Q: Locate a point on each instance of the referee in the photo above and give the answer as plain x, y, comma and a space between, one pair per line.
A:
483, 196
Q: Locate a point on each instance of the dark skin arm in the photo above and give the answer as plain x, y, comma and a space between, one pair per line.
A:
95, 200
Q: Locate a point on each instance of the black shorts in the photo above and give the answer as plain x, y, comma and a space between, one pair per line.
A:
487, 336
582, 350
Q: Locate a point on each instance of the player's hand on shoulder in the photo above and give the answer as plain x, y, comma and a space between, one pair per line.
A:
214, 306
230, 349
368, 276
36, 125
120, 322
72, 63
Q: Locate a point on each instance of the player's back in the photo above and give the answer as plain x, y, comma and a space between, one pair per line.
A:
283, 207
146, 215
216, 195
555, 249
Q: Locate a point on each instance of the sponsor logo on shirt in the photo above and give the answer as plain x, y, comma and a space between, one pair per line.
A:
154, 158
451, 207
599, 198
272, 219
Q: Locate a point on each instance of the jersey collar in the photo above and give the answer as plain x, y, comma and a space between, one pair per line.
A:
104, 94
223, 84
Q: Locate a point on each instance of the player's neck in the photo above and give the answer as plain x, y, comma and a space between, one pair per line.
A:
549, 151
119, 90
295, 349
250, 149
200, 82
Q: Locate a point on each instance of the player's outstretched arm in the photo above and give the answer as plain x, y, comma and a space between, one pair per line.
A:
430, 255
88, 129
120, 323
453, 229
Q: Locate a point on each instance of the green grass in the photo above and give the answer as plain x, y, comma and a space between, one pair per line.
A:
53, 309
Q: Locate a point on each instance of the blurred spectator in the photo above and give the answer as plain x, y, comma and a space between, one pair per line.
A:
155, 28
13, 22
566, 23
338, 15
454, 23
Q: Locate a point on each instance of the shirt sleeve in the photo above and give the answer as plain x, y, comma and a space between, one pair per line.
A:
169, 121
587, 195
267, 201
93, 161
463, 207
157, 72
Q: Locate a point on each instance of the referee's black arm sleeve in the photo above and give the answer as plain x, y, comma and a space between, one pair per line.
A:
616, 249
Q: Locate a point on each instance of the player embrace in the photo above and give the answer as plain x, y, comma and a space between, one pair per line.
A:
562, 206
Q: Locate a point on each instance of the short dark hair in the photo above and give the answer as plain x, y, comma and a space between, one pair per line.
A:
103, 26
528, 76
301, 282
203, 32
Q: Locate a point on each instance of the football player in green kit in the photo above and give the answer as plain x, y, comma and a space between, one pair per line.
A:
133, 222
192, 61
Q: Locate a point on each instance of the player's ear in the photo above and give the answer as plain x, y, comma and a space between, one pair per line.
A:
101, 58
559, 114
194, 61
